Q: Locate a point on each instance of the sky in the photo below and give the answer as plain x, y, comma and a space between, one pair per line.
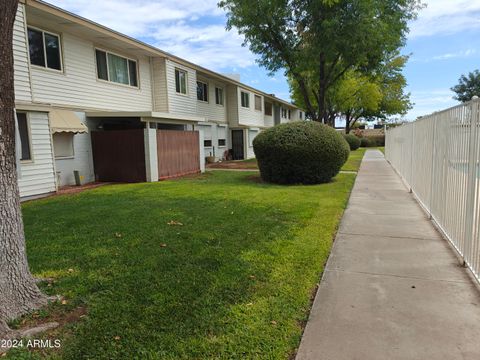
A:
443, 43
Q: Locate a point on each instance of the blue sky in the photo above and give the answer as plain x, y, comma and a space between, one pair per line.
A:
444, 42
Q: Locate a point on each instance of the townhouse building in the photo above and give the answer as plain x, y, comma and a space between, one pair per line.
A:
96, 105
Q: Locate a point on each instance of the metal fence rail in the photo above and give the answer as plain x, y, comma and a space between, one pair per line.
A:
438, 158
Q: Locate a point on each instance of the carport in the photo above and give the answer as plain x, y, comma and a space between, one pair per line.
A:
145, 146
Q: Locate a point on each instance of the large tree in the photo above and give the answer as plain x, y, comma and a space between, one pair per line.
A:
321, 39
371, 95
468, 86
18, 292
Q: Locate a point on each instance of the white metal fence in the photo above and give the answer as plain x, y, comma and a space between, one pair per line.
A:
438, 158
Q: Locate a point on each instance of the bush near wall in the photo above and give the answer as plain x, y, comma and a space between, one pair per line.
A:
353, 141
300, 153
376, 137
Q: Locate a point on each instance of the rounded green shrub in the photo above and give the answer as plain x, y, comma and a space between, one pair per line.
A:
366, 142
353, 141
300, 153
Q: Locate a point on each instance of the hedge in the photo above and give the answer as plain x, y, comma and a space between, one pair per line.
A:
300, 153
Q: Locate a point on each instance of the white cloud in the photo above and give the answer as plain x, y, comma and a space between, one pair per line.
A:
191, 29
429, 101
446, 17
446, 56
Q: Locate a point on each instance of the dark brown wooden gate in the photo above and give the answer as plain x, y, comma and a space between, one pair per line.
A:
119, 155
178, 153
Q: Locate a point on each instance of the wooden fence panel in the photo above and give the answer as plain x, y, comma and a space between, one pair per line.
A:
119, 155
178, 153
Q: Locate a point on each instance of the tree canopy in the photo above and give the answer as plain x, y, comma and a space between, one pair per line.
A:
318, 42
374, 95
468, 86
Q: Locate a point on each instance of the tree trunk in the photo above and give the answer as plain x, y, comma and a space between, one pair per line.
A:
347, 123
18, 292
322, 90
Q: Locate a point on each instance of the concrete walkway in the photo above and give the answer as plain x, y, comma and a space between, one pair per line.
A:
392, 287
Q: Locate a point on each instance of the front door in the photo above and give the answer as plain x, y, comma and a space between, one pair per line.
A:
237, 145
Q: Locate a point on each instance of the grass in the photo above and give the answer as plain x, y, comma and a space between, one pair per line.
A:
352, 164
354, 160
216, 266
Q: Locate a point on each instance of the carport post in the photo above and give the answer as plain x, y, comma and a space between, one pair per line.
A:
151, 157
201, 137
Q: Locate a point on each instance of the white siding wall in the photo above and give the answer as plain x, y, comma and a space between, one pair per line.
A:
232, 105
268, 120
210, 110
37, 176
20, 58
249, 116
213, 132
78, 86
250, 135
160, 84
180, 103
82, 158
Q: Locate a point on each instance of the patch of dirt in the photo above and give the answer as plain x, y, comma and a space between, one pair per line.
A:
73, 189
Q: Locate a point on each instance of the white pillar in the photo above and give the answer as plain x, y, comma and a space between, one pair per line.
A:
151, 156
201, 137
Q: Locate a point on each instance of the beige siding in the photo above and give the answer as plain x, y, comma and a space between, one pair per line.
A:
20, 58
37, 176
78, 86
160, 85
182, 104
210, 110
232, 105
249, 116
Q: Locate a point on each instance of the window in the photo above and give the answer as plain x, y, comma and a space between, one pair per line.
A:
22, 122
284, 113
251, 135
300, 115
222, 135
180, 81
258, 103
114, 68
245, 98
44, 49
268, 108
63, 144
202, 91
289, 114
207, 143
219, 96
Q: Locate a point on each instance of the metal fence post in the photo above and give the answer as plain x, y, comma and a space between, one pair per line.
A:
432, 172
472, 177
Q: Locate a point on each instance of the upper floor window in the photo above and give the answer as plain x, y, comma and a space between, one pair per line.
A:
268, 108
219, 96
245, 98
180, 81
44, 49
24, 131
258, 103
114, 68
202, 91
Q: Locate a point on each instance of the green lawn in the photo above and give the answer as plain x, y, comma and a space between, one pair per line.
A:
216, 266
354, 160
